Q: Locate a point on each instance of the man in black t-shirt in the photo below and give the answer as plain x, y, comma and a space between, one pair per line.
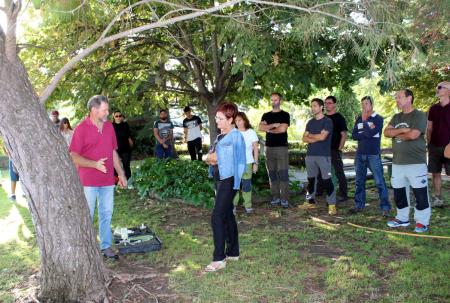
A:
192, 126
338, 138
275, 123
124, 141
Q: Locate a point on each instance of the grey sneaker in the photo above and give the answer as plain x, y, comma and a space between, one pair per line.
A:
436, 201
275, 202
109, 253
284, 203
249, 210
12, 198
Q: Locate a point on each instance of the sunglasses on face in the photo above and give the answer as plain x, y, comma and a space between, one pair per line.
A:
118, 116
440, 87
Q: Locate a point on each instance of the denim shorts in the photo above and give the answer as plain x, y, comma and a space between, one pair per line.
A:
12, 172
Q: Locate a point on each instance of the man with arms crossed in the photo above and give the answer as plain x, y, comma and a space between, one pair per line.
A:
338, 138
275, 123
318, 156
409, 165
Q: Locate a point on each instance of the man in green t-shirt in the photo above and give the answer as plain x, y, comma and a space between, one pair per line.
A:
409, 166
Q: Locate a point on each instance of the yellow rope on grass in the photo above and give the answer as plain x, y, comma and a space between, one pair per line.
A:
399, 232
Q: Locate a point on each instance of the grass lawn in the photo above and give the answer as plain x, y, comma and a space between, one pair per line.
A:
286, 255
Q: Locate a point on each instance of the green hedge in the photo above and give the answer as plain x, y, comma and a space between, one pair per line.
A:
186, 180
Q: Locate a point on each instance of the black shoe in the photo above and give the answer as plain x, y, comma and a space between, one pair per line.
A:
355, 210
386, 213
109, 253
342, 199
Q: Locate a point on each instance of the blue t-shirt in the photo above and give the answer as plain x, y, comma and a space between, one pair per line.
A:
320, 148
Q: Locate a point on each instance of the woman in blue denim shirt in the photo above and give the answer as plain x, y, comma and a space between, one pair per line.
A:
227, 164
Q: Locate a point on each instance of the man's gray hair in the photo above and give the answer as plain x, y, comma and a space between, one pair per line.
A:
96, 101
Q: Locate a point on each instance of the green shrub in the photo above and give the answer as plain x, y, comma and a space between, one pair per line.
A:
297, 157
186, 180
260, 180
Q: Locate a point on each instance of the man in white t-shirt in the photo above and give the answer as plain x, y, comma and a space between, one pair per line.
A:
192, 134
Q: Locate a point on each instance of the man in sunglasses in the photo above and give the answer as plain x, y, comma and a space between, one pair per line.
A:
124, 141
438, 136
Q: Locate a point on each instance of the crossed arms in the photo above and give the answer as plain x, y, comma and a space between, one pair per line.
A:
312, 138
274, 128
405, 134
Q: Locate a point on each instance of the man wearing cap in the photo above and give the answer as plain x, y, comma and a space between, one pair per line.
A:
93, 150
192, 126
438, 136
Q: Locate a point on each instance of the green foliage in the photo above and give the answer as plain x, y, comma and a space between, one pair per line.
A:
260, 180
297, 157
274, 49
187, 180
142, 133
422, 80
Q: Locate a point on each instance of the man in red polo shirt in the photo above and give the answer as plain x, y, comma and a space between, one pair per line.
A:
93, 150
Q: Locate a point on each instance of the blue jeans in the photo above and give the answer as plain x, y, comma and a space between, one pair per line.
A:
162, 153
373, 162
105, 197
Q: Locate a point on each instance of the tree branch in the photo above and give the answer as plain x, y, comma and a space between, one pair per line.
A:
12, 11
128, 8
72, 11
215, 58
179, 79
306, 10
197, 69
101, 42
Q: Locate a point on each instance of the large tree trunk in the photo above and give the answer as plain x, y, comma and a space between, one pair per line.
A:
211, 106
71, 265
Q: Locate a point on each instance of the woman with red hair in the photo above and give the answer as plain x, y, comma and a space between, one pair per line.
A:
227, 164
